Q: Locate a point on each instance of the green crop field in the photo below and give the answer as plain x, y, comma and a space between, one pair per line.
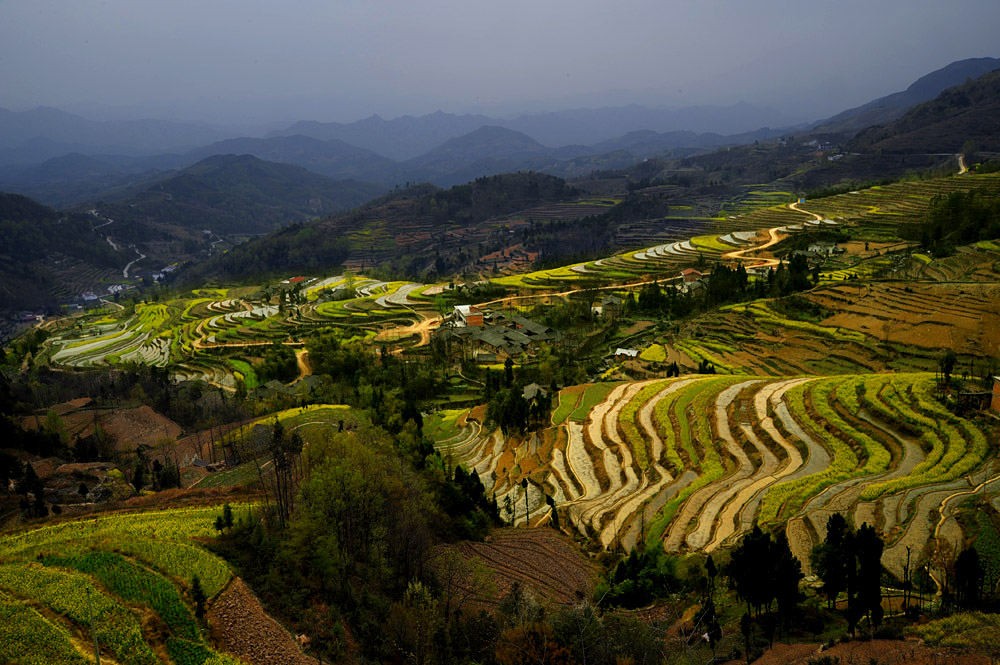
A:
809, 443
127, 563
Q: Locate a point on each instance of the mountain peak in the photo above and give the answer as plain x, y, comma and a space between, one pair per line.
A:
886, 109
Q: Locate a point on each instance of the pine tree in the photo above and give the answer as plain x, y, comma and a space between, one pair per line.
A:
829, 559
198, 596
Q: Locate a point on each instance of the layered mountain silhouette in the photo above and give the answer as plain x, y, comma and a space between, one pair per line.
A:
238, 194
885, 109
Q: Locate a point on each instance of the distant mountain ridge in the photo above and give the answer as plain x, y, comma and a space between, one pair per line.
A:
965, 113
886, 109
45, 132
441, 148
239, 194
332, 158
646, 143
420, 229
402, 138
408, 137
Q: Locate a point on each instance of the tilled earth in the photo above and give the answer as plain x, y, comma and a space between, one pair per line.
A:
242, 628
540, 559
884, 652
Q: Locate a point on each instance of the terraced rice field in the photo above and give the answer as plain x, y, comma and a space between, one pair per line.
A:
190, 335
866, 325
689, 464
127, 567
195, 336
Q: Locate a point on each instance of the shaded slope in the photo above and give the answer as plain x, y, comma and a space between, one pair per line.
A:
417, 226
239, 194
968, 112
333, 158
888, 108
31, 233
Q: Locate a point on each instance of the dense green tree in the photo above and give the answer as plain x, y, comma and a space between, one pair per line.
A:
868, 550
762, 570
509, 410
969, 576
748, 570
639, 578
830, 558
787, 572
198, 596
851, 561
947, 364
278, 363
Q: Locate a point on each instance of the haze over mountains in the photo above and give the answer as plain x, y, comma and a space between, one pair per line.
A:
408, 137
238, 194
158, 206
188, 174
62, 159
890, 107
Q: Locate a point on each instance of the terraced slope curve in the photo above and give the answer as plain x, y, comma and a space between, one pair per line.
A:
693, 463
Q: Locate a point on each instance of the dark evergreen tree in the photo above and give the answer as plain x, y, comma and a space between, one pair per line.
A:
969, 576
198, 597
830, 558
868, 550
787, 575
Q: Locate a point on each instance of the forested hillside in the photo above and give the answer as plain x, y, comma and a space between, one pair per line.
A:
968, 113
413, 227
31, 233
239, 194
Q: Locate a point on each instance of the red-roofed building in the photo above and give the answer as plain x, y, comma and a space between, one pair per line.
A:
296, 280
690, 275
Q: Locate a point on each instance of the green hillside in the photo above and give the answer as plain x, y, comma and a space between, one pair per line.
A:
239, 194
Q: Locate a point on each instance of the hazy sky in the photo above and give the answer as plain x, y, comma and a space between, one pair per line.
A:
250, 60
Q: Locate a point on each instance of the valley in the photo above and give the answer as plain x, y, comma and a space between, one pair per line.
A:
715, 404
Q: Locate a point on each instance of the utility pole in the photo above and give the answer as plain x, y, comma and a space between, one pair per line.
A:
527, 510
93, 629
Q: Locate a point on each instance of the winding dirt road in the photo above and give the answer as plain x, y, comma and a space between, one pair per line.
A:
421, 328
302, 360
774, 237
945, 516
796, 208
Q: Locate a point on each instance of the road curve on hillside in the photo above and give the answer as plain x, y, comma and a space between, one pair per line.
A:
796, 208
774, 238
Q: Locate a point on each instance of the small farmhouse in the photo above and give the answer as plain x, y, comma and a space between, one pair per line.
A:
825, 248
467, 315
505, 336
690, 275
